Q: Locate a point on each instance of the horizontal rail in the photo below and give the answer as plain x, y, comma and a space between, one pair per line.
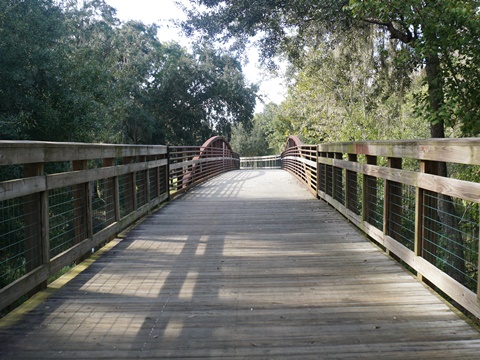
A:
261, 162
60, 201
393, 191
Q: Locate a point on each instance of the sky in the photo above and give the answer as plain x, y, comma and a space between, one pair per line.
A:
162, 12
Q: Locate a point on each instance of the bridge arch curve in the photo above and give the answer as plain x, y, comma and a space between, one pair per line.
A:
215, 142
293, 141
219, 150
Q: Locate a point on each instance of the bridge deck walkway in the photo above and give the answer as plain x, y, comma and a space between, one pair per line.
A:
247, 265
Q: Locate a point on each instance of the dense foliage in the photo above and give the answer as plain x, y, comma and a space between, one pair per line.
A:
71, 71
438, 37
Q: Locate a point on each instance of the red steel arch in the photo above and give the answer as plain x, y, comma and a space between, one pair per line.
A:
293, 141
216, 147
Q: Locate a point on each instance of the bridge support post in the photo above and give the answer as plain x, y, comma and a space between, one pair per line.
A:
338, 180
82, 208
351, 192
110, 185
426, 228
369, 194
37, 246
392, 208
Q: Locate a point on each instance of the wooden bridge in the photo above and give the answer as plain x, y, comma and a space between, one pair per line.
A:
248, 264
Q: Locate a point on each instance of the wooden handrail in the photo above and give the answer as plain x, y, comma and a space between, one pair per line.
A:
65, 199
392, 191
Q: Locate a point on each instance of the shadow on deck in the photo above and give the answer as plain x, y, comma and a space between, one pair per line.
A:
247, 265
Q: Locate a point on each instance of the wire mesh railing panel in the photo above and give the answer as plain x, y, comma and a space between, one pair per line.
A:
401, 225
163, 178
339, 193
329, 180
354, 198
374, 201
321, 177
103, 204
125, 194
450, 237
153, 183
66, 219
141, 185
19, 249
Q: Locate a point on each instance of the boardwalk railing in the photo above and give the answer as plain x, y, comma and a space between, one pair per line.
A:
261, 162
60, 201
393, 191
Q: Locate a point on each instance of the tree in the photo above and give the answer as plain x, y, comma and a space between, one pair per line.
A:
352, 91
442, 35
282, 26
71, 71
29, 33
199, 95
250, 143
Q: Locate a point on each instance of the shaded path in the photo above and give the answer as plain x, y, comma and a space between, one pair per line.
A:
246, 265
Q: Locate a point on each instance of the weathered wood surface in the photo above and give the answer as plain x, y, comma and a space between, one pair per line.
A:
247, 265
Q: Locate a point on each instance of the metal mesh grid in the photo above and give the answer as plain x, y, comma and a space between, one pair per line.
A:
321, 176
359, 194
374, 203
66, 219
339, 185
153, 176
125, 194
15, 261
354, 201
103, 204
402, 215
450, 238
162, 173
141, 188
329, 174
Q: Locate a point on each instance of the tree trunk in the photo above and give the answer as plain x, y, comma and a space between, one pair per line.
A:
452, 240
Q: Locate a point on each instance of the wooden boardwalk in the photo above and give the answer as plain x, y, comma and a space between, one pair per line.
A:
248, 265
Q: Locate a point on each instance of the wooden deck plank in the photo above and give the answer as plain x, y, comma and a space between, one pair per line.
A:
248, 265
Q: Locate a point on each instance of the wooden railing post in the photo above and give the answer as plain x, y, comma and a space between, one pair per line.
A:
369, 193
337, 180
478, 274
37, 247
322, 174
147, 172
111, 193
351, 194
319, 171
82, 207
426, 228
392, 208
130, 185
167, 174
329, 175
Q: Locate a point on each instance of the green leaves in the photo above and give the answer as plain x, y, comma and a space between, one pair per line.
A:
71, 71
445, 30
417, 29
280, 26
